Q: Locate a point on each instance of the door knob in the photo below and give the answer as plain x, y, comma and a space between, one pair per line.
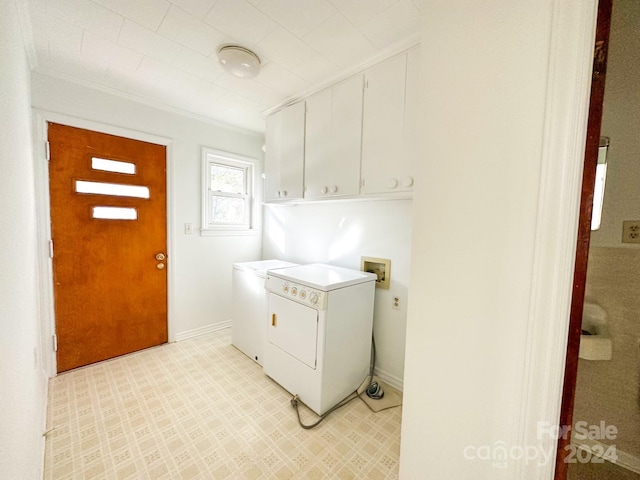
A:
160, 266
160, 256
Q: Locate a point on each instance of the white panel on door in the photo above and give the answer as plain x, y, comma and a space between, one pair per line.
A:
293, 328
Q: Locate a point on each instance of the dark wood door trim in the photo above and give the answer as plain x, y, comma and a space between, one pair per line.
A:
584, 229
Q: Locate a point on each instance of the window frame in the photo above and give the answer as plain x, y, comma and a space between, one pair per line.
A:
210, 157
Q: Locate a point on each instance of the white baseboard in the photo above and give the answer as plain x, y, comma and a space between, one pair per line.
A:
392, 380
625, 460
196, 332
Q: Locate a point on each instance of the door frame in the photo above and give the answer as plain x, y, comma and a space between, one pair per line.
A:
592, 143
572, 33
41, 118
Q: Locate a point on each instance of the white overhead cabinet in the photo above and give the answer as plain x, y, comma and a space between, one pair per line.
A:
333, 140
358, 138
284, 156
387, 124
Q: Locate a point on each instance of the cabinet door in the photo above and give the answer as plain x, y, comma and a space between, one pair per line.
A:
318, 145
272, 157
411, 116
384, 167
346, 126
292, 151
333, 140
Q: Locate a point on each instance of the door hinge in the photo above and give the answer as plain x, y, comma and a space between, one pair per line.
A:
366, 83
50, 248
54, 339
47, 150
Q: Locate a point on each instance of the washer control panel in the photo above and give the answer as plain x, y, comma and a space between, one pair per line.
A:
297, 292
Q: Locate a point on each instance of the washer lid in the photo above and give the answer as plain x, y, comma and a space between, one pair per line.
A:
261, 266
322, 276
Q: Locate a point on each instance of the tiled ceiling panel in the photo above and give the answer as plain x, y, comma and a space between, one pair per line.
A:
148, 13
240, 19
164, 52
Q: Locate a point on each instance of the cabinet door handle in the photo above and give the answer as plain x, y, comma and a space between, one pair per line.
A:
274, 320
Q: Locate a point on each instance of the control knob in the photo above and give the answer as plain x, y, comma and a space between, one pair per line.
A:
313, 298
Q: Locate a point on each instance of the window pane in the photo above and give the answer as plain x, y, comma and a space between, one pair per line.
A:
115, 213
112, 189
598, 196
227, 179
112, 166
228, 210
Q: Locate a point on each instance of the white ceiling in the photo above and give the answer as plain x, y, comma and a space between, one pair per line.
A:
164, 52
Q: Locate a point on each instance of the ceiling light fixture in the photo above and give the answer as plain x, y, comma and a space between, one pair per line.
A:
239, 61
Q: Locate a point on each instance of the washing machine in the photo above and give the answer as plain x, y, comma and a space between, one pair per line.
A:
248, 324
319, 325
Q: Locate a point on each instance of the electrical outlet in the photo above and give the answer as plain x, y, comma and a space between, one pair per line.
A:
631, 231
395, 302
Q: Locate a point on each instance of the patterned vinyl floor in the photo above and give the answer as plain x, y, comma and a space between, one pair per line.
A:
200, 409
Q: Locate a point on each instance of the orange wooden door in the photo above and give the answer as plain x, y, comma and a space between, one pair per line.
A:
108, 222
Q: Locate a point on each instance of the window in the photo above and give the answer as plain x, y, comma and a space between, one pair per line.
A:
113, 166
98, 188
227, 192
115, 213
601, 177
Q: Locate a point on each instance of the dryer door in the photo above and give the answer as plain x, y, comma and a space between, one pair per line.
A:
293, 328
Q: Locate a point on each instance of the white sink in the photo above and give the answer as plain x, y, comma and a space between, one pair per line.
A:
595, 341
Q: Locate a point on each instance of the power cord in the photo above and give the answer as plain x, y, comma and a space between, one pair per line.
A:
374, 390
341, 403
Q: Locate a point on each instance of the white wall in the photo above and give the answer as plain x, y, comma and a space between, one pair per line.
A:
608, 390
200, 267
339, 233
621, 123
484, 223
23, 392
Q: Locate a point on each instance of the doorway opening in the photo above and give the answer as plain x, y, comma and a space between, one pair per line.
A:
603, 359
